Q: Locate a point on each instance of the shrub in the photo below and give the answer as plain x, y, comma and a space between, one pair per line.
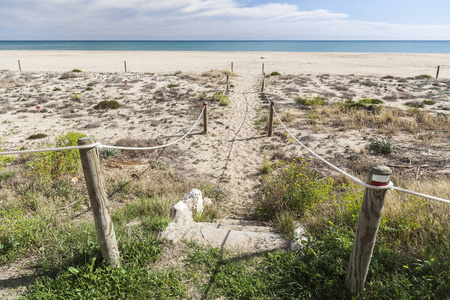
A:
423, 76
266, 166
37, 136
111, 104
76, 97
370, 101
225, 101
56, 89
429, 102
77, 71
275, 74
89, 88
312, 101
172, 85
4, 159
381, 146
55, 163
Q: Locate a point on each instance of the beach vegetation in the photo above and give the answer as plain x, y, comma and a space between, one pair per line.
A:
76, 71
370, 101
56, 89
224, 100
76, 97
107, 104
275, 73
312, 101
381, 146
89, 88
201, 96
423, 76
170, 86
37, 136
429, 102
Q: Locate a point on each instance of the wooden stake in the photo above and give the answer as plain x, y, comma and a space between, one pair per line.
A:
99, 201
263, 82
437, 73
20, 68
228, 83
125, 65
205, 118
270, 120
263, 68
232, 67
367, 228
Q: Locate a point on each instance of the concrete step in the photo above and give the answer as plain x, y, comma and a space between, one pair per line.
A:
237, 235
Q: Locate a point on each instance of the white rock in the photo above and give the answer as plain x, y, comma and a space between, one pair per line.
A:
181, 224
299, 236
194, 200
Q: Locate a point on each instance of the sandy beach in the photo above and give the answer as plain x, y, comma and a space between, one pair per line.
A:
162, 94
379, 64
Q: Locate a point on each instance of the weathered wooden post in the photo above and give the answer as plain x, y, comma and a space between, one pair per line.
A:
20, 68
437, 72
367, 228
263, 68
205, 118
99, 201
263, 83
125, 65
270, 120
231, 67
228, 83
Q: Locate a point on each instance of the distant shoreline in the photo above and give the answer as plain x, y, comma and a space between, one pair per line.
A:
321, 46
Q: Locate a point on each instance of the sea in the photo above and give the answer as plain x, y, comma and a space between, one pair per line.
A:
270, 46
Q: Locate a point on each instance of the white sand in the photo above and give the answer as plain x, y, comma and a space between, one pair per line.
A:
396, 64
230, 155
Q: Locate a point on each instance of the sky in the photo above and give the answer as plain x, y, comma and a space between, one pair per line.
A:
224, 20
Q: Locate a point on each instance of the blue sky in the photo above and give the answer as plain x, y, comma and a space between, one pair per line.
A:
225, 19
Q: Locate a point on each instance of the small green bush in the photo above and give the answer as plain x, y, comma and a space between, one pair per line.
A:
172, 85
111, 104
76, 97
423, 76
52, 164
429, 102
381, 146
4, 159
225, 101
77, 71
318, 101
275, 74
56, 89
370, 101
89, 88
37, 136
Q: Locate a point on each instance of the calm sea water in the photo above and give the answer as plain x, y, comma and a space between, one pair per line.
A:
276, 46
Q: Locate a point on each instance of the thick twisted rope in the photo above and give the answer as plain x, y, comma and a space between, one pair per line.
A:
358, 181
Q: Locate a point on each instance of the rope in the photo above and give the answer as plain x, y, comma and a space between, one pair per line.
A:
99, 145
95, 145
362, 183
156, 147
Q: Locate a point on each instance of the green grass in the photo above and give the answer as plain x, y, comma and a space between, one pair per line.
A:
313, 101
381, 146
56, 89
370, 101
429, 102
424, 76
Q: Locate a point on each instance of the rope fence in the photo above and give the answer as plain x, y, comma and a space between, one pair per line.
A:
389, 186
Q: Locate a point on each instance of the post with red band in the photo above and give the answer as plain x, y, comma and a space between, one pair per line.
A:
367, 228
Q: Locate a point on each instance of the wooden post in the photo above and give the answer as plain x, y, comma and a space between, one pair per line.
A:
205, 118
270, 120
263, 82
228, 83
367, 228
20, 68
263, 68
231, 67
437, 73
125, 65
99, 201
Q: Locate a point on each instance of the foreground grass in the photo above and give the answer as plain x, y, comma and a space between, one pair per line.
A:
410, 260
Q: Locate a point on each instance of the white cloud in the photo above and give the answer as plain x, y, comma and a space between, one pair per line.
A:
191, 19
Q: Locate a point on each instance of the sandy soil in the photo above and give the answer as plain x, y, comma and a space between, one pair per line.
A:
162, 96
